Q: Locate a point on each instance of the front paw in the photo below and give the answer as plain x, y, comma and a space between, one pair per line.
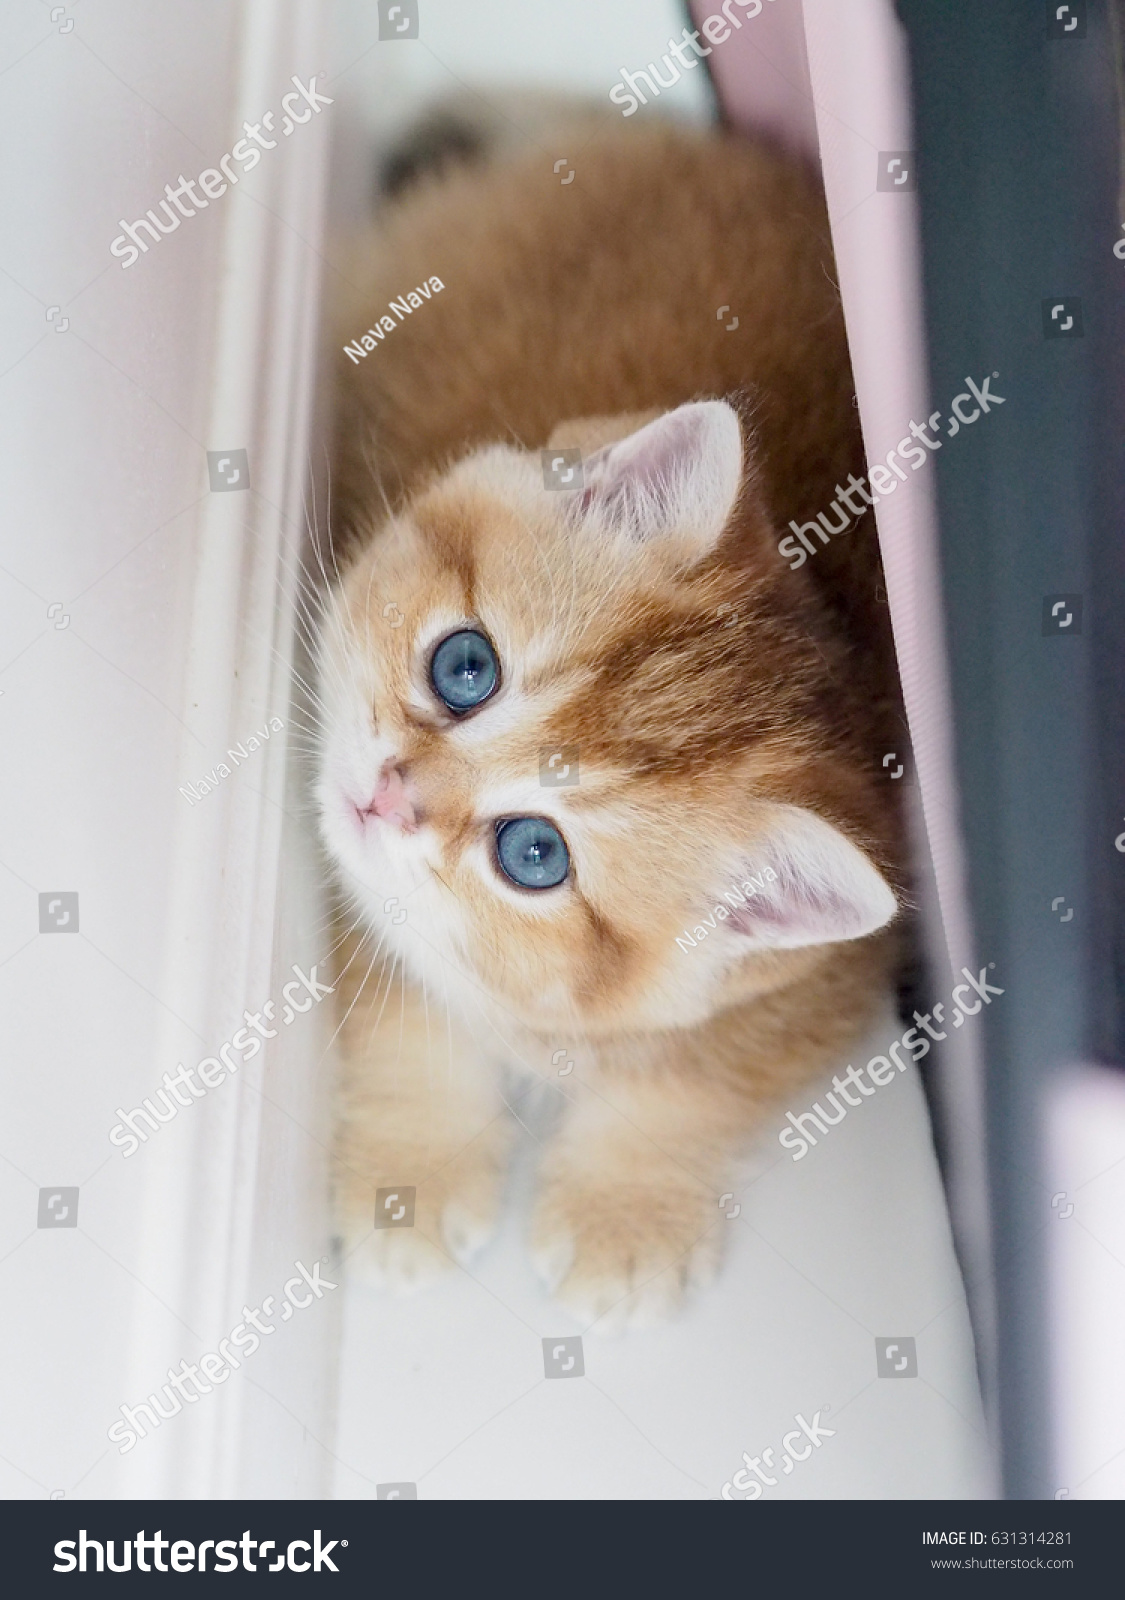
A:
396, 1260
413, 1219
625, 1256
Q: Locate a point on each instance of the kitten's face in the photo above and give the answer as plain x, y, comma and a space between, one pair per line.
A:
496, 633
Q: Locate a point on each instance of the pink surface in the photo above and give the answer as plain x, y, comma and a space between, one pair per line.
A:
761, 71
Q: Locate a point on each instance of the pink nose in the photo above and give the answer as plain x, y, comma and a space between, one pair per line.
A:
391, 800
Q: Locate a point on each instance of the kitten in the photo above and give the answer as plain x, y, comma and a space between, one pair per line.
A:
686, 913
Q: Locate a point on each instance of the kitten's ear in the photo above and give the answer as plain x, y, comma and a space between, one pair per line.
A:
805, 883
676, 477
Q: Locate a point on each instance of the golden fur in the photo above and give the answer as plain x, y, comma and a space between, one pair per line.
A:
727, 711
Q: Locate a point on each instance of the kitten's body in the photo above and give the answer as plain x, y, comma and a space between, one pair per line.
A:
728, 714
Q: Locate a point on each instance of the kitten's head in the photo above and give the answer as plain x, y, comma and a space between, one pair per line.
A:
570, 730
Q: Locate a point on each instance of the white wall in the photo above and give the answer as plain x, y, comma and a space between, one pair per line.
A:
176, 604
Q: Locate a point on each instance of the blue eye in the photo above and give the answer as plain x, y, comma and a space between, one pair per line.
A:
464, 670
532, 853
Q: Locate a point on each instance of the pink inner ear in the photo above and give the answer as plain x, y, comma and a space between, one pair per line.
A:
683, 468
649, 460
797, 908
823, 888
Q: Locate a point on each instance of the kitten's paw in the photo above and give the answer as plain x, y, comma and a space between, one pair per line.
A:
400, 1236
402, 1259
624, 1258
399, 1261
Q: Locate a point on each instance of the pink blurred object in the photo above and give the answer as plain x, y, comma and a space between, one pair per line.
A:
761, 71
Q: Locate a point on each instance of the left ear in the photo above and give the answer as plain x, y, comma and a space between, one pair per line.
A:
676, 477
804, 884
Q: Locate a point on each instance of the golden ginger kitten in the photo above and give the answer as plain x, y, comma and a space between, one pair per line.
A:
685, 913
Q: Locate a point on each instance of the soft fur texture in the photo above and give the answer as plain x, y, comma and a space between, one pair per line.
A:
729, 714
